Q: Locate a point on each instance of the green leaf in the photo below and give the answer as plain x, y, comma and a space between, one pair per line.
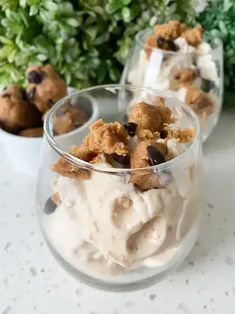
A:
52, 6
126, 14
73, 22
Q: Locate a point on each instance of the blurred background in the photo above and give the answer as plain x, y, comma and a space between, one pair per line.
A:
88, 40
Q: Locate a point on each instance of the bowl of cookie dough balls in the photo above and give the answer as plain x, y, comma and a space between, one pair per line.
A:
22, 112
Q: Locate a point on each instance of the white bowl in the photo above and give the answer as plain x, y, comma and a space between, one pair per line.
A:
23, 152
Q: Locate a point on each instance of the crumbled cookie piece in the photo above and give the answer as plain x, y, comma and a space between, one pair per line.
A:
16, 112
46, 87
170, 30
67, 169
144, 134
68, 118
108, 138
193, 35
147, 153
182, 135
182, 77
199, 101
33, 132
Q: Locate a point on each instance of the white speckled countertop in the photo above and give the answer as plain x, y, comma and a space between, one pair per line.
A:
31, 281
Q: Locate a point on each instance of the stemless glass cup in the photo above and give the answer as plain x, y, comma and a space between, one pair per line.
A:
104, 230
156, 68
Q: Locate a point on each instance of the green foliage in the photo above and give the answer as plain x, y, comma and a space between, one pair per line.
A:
86, 40
218, 19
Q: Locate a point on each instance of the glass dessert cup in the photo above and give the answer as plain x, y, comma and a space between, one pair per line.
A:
104, 230
159, 69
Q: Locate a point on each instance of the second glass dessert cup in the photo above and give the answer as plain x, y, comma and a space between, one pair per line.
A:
161, 69
102, 227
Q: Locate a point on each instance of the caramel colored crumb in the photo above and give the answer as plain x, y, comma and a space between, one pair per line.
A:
199, 101
171, 30
193, 35
33, 132
46, 87
68, 118
182, 77
140, 158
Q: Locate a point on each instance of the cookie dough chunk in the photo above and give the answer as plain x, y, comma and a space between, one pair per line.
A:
33, 132
108, 138
149, 117
16, 112
68, 118
147, 153
182, 77
199, 101
181, 135
171, 30
46, 87
103, 138
193, 35
67, 169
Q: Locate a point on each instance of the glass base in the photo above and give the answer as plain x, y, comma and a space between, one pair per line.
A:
126, 281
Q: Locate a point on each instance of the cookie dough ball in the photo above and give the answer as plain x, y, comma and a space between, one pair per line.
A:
181, 77
199, 101
193, 35
147, 153
16, 112
45, 86
32, 132
171, 30
150, 117
68, 118
146, 116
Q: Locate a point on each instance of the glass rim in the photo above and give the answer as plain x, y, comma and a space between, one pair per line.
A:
51, 139
140, 43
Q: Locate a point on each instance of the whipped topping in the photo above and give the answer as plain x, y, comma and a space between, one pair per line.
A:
105, 225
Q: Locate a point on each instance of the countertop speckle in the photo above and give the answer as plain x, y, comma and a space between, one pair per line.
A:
31, 280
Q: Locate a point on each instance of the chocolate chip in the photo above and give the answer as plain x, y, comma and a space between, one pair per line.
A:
160, 41
155, 156
36, 77
177, 77
163, 134
171, 44
131, 128
123, 160
24, 94
31, 94
50, 206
